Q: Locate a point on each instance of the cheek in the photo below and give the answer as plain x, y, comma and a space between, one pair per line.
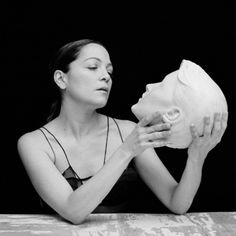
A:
149, 105
155, 101
80, 81
79, 88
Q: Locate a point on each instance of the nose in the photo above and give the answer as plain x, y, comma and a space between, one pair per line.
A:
105, 76
149, 87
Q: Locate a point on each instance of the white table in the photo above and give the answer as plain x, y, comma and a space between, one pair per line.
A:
194, 224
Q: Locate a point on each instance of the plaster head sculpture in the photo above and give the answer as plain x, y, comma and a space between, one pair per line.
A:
184, 97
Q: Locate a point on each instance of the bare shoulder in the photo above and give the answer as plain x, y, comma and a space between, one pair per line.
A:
34, 138
30, 142
30, 138
126, 126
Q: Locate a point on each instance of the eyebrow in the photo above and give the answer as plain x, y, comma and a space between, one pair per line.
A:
98, 59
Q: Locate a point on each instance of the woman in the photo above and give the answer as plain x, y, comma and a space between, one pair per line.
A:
78, 158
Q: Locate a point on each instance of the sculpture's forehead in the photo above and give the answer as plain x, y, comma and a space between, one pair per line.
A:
169, 82
171, 77
188, 74
194, 76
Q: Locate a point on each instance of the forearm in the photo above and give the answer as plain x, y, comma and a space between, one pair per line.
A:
88, 196
198, 150
186, 190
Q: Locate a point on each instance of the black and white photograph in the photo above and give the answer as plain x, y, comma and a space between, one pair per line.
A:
118, 119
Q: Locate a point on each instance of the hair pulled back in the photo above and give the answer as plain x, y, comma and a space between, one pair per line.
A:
65, 55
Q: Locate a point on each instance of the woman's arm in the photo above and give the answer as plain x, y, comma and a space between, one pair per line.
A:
197, 153
55, 190
179, 196
76, 205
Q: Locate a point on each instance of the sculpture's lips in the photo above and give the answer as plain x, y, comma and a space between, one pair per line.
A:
143, 95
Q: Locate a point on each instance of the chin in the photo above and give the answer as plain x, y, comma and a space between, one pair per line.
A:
140, 110
133, 108
136, 109
100, 104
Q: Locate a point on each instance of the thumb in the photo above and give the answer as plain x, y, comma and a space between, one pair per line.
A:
155, 117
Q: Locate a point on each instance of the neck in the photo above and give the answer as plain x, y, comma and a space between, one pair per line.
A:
78, 120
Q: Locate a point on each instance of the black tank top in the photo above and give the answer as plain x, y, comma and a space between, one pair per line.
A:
119, 196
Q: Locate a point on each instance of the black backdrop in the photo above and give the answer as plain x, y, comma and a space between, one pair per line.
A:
145, 43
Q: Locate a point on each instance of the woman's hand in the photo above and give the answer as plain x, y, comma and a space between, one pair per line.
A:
212, 134
145, 135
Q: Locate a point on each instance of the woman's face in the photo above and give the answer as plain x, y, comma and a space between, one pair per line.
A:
89, 77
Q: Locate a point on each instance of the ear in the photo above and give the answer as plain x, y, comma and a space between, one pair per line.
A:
172, 115
60, 79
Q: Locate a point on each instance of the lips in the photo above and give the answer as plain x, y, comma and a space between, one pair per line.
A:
144, 95
105, 89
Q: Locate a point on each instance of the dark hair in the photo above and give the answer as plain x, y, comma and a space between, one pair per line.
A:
65, 55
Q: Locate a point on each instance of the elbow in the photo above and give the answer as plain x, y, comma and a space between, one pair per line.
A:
75, 219
180, 207
74, 216
180, 211
75, 211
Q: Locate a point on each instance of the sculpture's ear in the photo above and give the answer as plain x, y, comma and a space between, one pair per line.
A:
172, 115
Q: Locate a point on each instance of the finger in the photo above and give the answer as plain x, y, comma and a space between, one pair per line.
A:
224, 121
154, 144
148, 119
207, 126
159, 144
216, 124
194, 132
158, 127
157, 120
157, 135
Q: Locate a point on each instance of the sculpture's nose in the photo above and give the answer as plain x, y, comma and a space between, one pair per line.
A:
149, 87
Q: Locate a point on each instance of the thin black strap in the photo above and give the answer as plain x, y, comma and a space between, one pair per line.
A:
105, 153
62, 150
85, 178
49, 145
118, 130
58, 144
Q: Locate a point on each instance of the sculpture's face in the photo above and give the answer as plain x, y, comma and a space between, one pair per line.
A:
157, 97
184, 96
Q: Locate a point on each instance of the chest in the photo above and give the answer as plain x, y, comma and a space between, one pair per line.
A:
88, 155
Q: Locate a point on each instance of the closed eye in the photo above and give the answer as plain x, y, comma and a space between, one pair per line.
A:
92, 67
109, 72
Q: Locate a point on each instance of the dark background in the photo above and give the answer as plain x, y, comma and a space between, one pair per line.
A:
145, 42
